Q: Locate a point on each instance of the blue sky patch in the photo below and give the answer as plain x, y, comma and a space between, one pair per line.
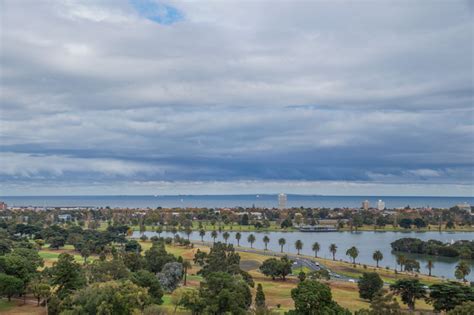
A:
157, 12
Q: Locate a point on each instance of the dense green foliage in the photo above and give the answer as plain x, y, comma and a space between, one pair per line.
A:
464, 249
314, 298
369, 284
446, 296
409, 290
276, 268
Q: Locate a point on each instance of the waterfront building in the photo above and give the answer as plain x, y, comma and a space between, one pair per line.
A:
380, 205
365, 205
3, 206
282, 199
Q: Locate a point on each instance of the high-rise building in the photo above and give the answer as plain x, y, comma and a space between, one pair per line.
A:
380, 205
365, 205
282, 199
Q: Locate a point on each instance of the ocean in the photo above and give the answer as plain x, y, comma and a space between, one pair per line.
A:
217, 201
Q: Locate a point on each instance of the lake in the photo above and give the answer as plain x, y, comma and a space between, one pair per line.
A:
366, 242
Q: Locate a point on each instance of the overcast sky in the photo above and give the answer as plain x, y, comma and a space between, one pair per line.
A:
170, 97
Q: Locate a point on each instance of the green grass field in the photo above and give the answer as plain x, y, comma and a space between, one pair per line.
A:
5, 305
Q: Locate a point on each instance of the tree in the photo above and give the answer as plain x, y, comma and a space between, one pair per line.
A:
405, 223
112, 297
419, 223
412, 265
401, 261
156, 257
299, 246
251, 240
238, 236
85, 253
409, 290
273, 267
466, 308
382, 303
148, 280
316, 248
282, 243
170, 276
314, 298
133, 246
40, 290
10, 285
107, 270
67, 275
377, 256
259, 297
202, 233
462, 270
226, 236
266, 240
214, 235
369, 284
188, 299
333, 250
429, 265
353, 252
186, 266
447, 295
188, 231
57, 242
222, 292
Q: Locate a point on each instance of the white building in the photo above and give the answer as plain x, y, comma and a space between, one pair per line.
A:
380, 205
282, 199
365, 205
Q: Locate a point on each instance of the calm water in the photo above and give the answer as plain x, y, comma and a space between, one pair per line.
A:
366, 242
214, 201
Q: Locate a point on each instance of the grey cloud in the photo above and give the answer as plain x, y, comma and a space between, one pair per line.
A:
237, 91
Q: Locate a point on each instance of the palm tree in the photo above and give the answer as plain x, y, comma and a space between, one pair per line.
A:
226, 236
202, 233
299, 246
186, 265
316, 249
251, 240
333, 250
353, 252
159, 230
188, 231
238, 236
214, 235
377, 256
266, 240
282, 243
430, 265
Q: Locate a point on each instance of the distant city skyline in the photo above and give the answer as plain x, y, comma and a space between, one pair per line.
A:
178, 97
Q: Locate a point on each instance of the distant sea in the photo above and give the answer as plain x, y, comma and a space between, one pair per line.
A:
216, 201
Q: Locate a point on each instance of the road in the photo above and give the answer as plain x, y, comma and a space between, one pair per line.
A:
298, 260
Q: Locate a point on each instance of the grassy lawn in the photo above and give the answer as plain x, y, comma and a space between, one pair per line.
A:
5, 305
16, 307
